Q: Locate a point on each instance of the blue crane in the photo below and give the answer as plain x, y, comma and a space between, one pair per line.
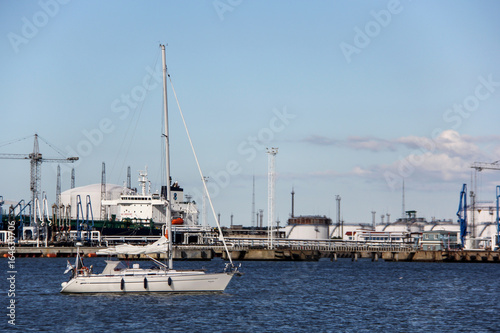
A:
462, 214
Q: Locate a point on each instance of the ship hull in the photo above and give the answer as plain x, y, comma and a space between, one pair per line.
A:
175, 282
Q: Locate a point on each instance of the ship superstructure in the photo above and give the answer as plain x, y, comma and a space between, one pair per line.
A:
146, 207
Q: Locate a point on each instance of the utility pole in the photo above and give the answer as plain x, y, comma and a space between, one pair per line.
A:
204, 216
338, 198
253, 203
129, 178
270, 194
103, 192
58, 187
403, 213
72, 177
373, 219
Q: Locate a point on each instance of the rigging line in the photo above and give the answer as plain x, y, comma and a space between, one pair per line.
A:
14, 141
141, 108
128, 129
60, 151
161, 174
201, 173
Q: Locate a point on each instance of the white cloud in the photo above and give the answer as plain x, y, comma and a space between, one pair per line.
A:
359, 171
446, 158
452, 143
449, 141
371, 144
320, 140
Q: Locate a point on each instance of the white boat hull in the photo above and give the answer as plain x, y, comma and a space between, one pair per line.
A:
168, 282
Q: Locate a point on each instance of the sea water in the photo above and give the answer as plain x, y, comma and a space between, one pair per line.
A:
324, 296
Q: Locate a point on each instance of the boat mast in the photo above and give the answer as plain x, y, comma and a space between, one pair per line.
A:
167, 159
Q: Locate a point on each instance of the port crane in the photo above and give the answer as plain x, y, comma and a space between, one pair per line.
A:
36, 161
478, 167
462, 214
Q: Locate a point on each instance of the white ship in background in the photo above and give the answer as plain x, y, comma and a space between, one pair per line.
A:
145, 207
137, 206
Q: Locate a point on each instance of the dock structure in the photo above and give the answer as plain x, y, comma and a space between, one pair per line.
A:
288, 249
283, 249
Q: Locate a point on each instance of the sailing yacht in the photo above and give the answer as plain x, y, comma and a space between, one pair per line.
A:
118, 278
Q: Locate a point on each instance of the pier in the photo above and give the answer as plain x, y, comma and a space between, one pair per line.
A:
242, 249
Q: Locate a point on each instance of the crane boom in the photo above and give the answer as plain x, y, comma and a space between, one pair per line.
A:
60, 160
36, 161
28, 157
480, 166
15, 156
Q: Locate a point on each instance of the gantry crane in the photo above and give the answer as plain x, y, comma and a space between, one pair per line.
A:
36, 161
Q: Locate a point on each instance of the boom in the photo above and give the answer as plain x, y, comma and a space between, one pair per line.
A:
36, 161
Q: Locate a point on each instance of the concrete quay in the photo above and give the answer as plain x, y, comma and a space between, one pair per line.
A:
477, 256
303, 253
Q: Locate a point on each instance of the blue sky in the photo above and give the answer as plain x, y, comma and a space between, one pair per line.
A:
357, 95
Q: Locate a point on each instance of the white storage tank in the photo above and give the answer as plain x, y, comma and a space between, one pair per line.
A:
69, 197
308, 227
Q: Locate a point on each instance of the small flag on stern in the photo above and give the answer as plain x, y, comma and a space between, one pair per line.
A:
69, 267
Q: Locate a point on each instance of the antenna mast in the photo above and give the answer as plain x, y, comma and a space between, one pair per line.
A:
58, 187
129, 178
253, 202
72, 177
103, 191
403, 212
338, 198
